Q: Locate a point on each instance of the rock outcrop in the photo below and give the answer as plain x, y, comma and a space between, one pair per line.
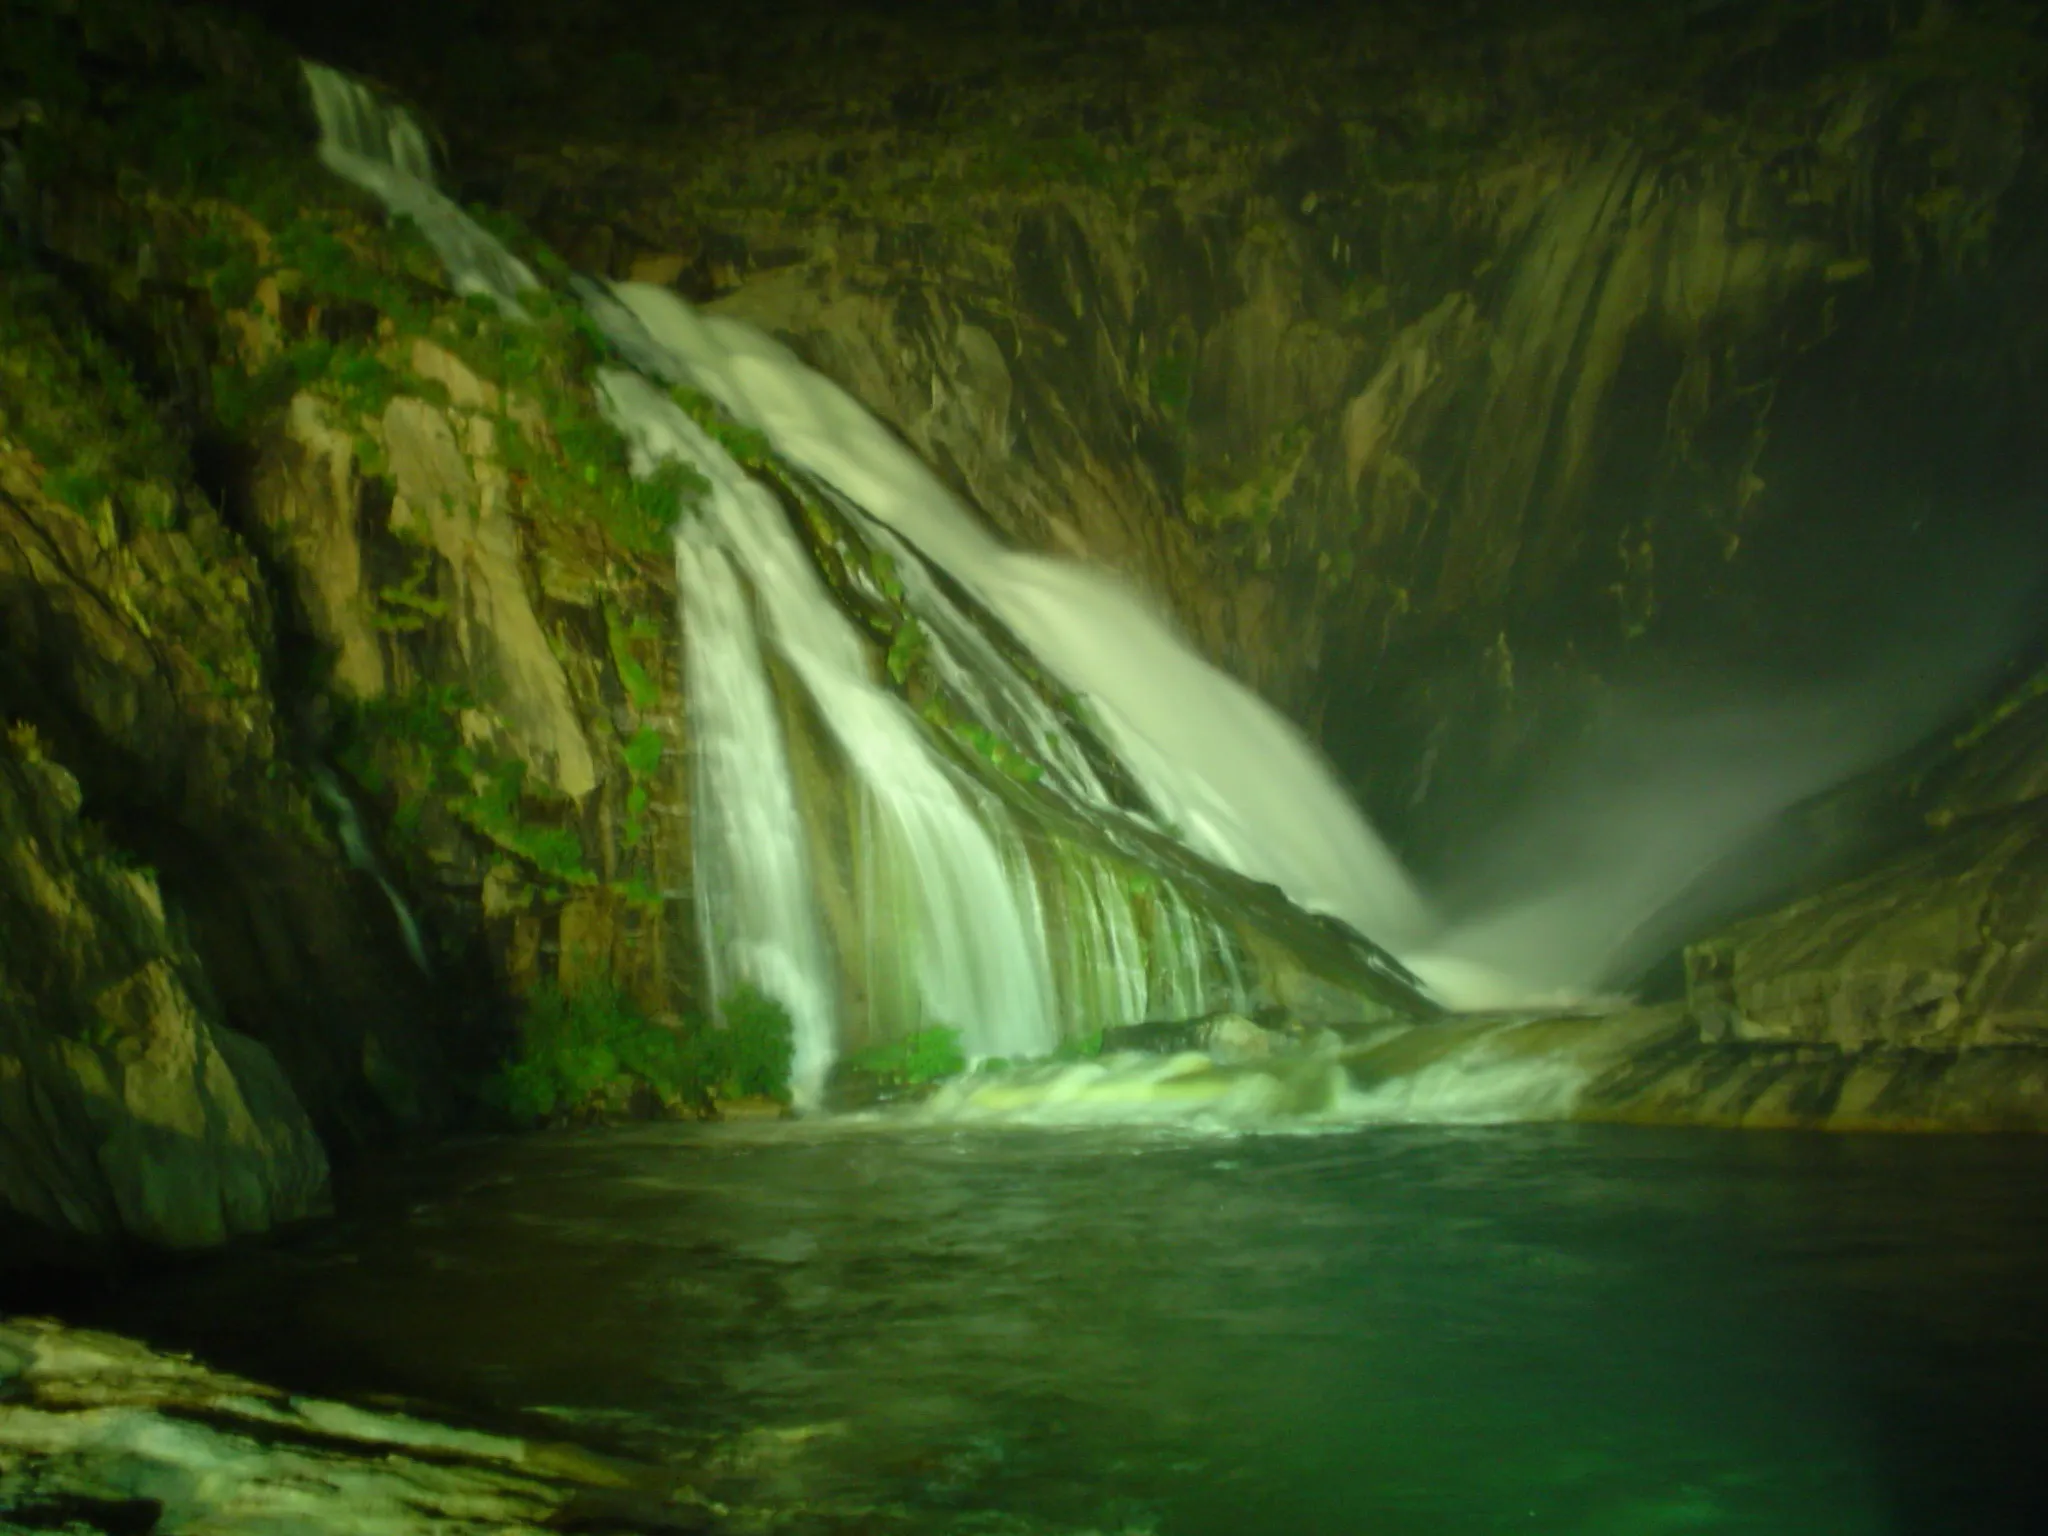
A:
100, 1432
127, 1109
1938, 948
366, 664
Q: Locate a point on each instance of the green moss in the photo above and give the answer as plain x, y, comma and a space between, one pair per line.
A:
642, 757
411, 604
882, 565
983, 743
749, 448
579, 465
908, 652
643, 753
495, 807
410, 745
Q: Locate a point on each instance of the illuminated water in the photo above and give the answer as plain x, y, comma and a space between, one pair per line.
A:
1541, 1329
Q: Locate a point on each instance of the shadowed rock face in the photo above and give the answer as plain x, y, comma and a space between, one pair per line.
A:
126, 1108
207, 602
1937, 948
135, 639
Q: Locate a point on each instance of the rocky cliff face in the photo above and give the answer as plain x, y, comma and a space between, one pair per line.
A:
1442, 377
1937, 948
364, 660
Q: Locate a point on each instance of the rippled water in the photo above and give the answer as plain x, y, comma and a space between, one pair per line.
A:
1543, 1329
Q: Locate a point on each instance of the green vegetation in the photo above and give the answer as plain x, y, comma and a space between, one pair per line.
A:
576, 1049
409, 745
642, 757
411, 604
578, 464
983, 743
882, 565
621, 638
1080, 1048
494, 806
909, 1062
749, 448
70, 399
1254, 503
908, 652
643, 752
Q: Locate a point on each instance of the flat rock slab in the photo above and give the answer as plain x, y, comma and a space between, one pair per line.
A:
101, 1433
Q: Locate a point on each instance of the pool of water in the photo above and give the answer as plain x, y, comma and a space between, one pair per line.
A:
1394, 1330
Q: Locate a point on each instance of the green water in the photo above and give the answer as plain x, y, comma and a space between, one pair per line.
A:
1541, 1329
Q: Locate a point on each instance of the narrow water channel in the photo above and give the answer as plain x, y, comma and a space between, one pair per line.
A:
1398, 1330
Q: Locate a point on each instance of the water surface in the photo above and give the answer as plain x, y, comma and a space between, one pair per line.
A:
1396, 1330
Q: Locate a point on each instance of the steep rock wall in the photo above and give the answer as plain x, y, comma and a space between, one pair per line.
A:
1441, 380
126, 1108
365, 663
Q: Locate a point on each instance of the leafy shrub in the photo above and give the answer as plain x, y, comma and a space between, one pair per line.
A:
576, 1048
923, 1057
753, 1053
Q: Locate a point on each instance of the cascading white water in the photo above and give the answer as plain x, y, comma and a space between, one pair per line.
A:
383, 151
941, 879
957, 911
355, 846
757, 912
981, 677
1236, 781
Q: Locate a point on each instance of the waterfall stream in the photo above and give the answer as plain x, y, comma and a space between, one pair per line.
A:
1066, 883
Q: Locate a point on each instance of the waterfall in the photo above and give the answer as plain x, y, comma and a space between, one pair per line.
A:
753, 881
382, 150
355, 847
936, 873
1220, 766
925, 885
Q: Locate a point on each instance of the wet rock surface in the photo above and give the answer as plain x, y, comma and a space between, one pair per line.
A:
100, 1433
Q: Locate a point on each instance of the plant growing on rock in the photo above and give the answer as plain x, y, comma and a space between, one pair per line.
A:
909, 1062
586, 1052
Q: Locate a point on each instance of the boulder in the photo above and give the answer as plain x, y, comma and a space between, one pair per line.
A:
127, 1109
